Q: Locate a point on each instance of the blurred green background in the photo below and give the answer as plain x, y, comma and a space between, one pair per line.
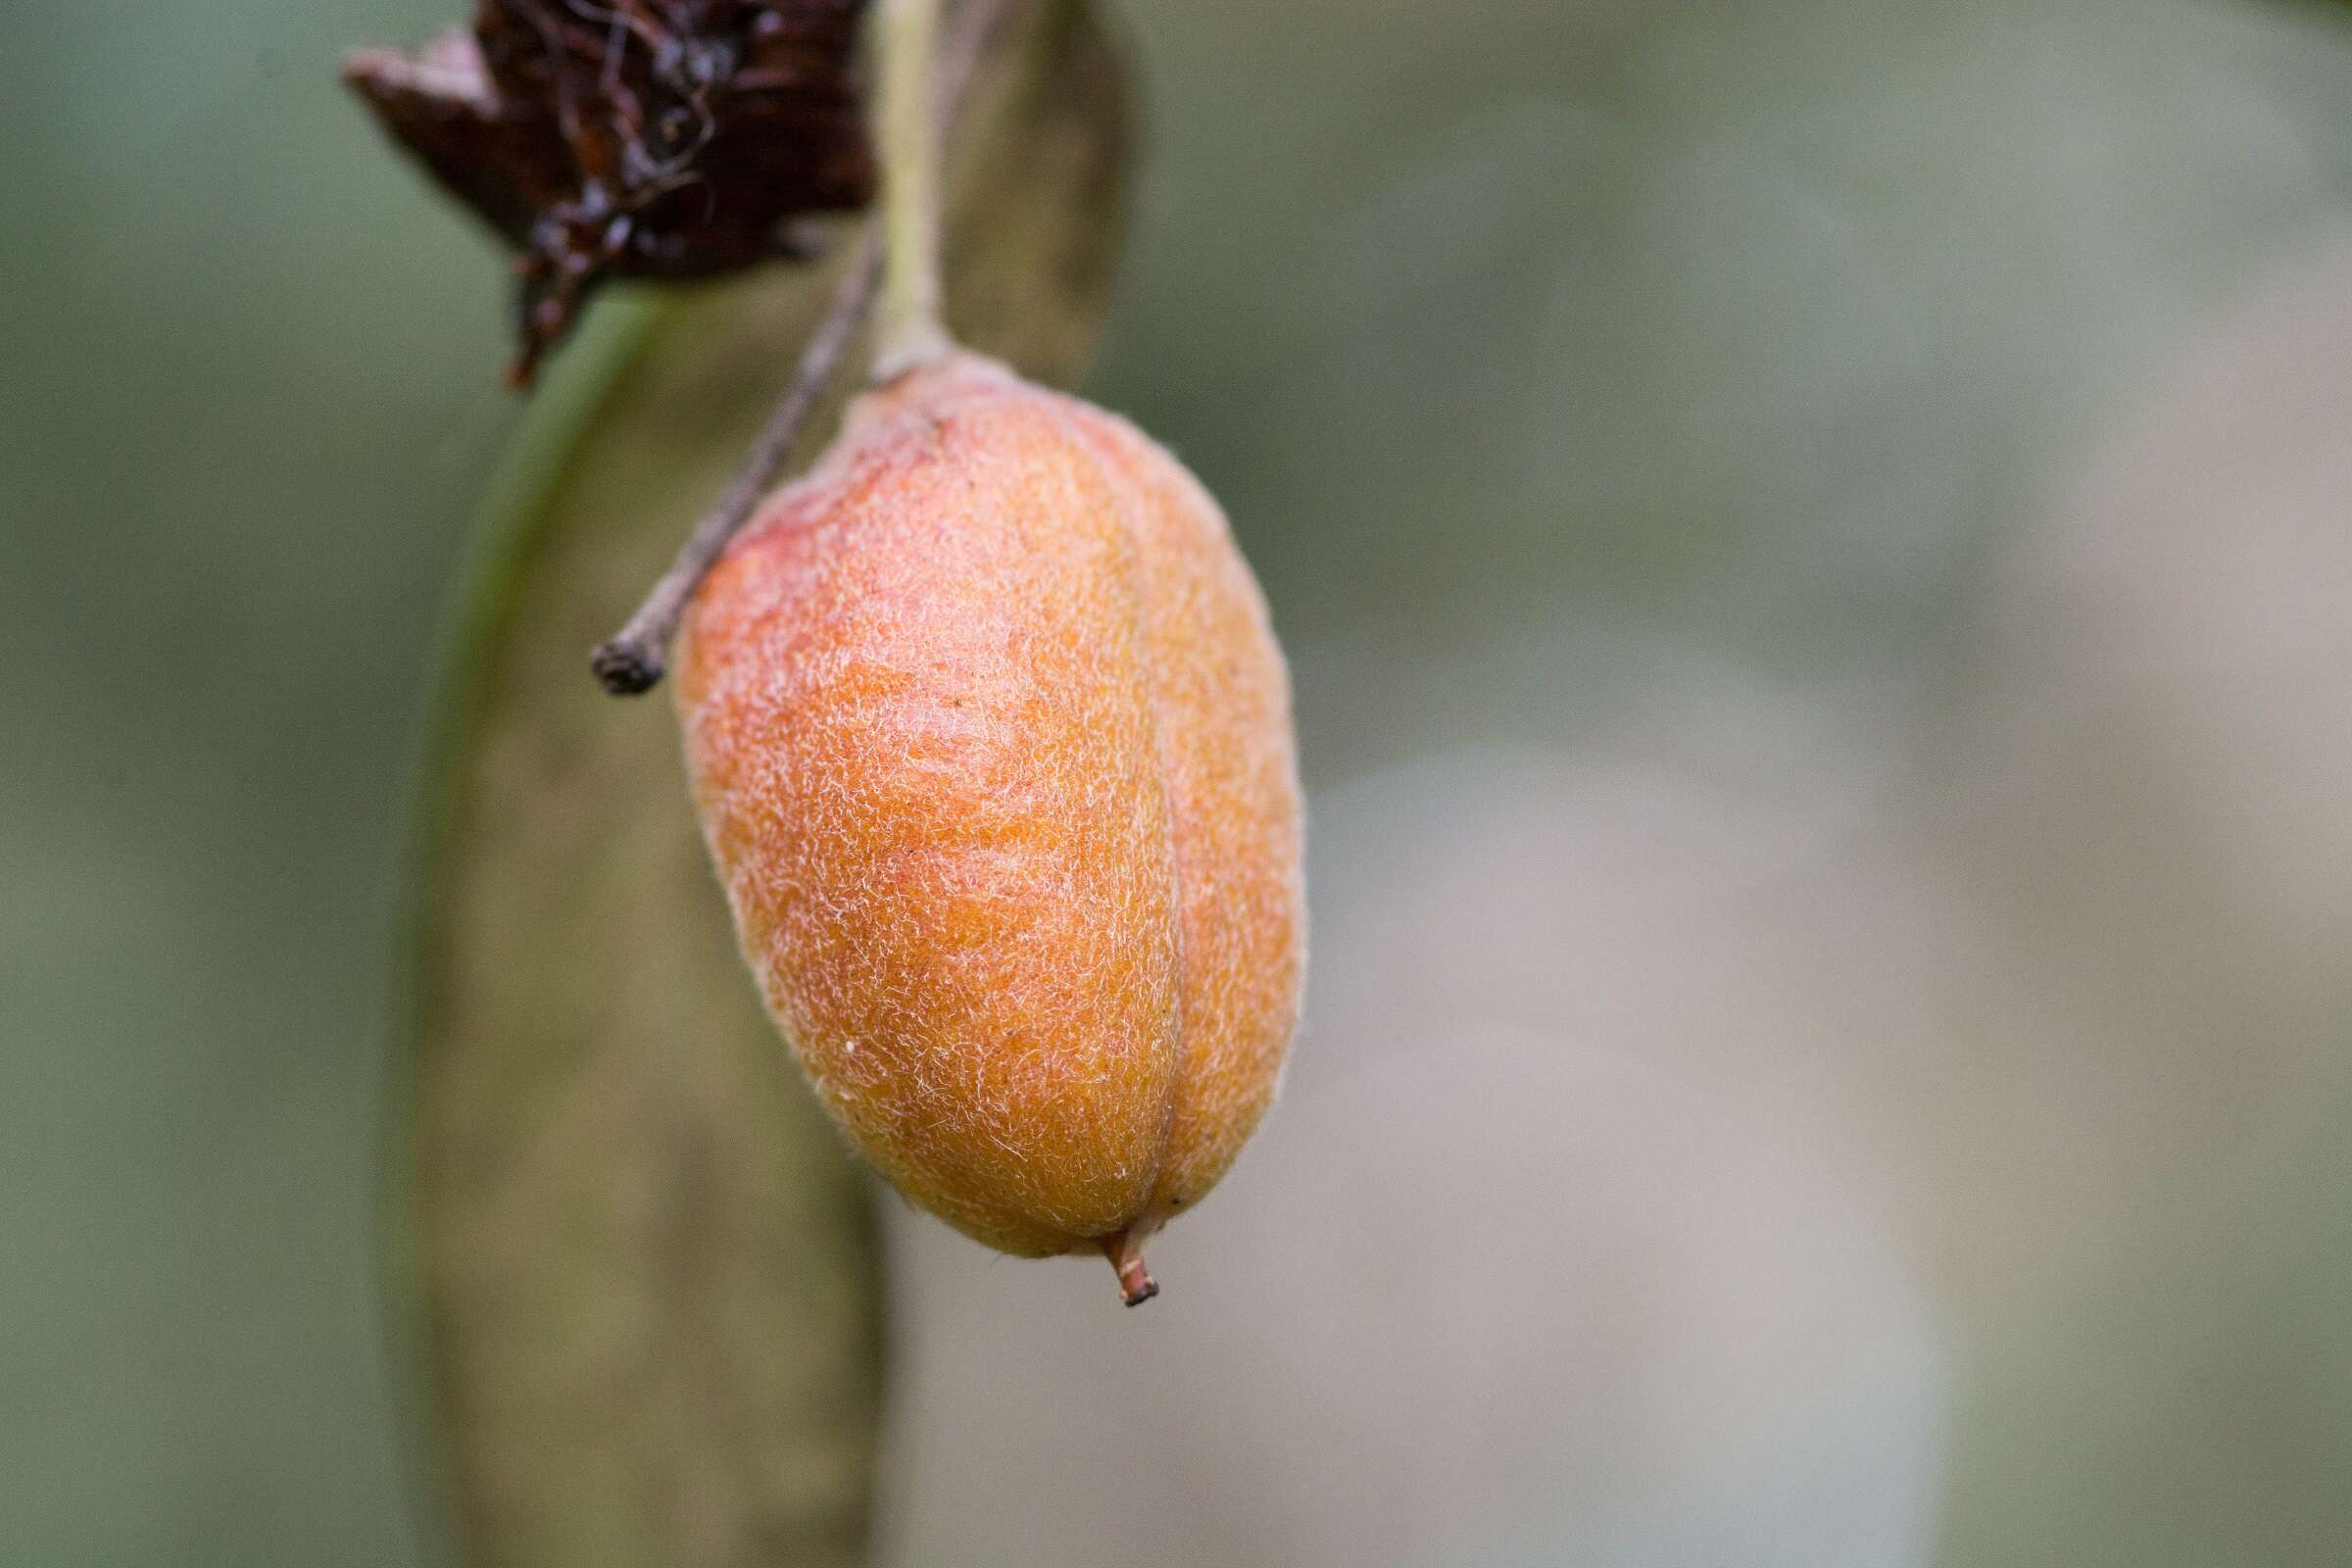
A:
1816, 542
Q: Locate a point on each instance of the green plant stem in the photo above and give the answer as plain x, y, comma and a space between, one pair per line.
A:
911, 331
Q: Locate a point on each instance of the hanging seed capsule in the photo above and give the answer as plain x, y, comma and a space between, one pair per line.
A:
992, 744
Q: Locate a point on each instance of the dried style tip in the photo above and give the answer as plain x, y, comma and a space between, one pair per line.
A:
1136, 1284
632, 138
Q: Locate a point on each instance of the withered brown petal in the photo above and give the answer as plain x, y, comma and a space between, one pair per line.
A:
640, 138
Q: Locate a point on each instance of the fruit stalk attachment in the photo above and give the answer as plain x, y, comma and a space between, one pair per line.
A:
634, 659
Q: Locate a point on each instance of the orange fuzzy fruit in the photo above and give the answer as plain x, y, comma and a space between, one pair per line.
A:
992, 744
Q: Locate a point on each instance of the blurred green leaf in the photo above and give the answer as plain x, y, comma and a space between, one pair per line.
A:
644, 1265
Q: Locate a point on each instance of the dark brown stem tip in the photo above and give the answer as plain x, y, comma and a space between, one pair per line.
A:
1136, 1284
628, 667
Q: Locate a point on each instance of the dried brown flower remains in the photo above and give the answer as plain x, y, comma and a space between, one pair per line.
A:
631, 138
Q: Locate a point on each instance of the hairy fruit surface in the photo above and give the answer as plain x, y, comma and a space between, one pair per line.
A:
992, 744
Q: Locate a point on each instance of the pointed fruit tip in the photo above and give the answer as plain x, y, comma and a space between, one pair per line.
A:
1136, 1284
